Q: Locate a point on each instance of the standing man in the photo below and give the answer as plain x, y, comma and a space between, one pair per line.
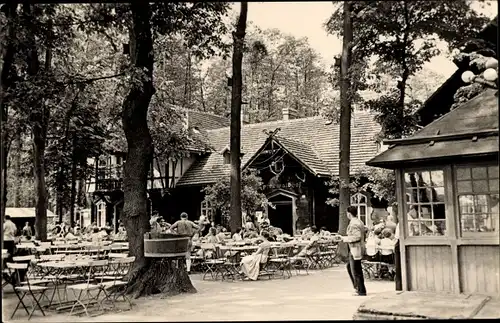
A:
356, 241
186, 228
9, 234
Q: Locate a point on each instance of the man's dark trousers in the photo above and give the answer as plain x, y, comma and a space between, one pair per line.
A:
356, 274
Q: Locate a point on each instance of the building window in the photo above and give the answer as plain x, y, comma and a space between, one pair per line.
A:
227, 157
207, 210
477, 189
426, 203
101, 214
360, 202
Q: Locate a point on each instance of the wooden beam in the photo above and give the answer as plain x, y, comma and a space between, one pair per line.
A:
402, 218
453, 136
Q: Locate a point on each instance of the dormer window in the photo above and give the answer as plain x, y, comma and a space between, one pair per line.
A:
226, 154
227, 157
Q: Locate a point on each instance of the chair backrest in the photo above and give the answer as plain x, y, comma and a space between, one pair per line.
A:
15, 270
51, 257
123, 265
24, 258
117, 255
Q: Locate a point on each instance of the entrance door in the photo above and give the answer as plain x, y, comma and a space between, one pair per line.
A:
281, 216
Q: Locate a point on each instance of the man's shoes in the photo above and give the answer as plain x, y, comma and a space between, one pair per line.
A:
358, 294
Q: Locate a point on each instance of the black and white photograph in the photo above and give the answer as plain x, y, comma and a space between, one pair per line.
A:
249, 161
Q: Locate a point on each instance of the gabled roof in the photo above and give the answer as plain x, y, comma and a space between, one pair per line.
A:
301, 152
469, 130
305, 137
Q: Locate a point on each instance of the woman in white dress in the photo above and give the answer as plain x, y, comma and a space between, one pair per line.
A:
250, 265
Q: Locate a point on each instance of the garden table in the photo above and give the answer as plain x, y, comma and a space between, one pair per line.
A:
59, 272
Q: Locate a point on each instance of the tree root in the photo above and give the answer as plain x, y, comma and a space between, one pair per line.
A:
160, 276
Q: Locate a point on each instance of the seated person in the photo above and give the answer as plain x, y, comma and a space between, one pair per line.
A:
250, 234
211, 236
221, 235
249, 225
95, 236
250, 265
323, 232
312, 246
237, 235
388, 242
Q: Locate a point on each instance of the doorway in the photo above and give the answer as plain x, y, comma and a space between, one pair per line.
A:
282, 216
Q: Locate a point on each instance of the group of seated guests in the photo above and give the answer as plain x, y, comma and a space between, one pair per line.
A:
89, 233
382, 237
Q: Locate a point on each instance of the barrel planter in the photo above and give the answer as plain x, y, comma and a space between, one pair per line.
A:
165, 245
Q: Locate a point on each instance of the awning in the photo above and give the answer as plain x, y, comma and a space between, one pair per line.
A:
24, 212
397, 155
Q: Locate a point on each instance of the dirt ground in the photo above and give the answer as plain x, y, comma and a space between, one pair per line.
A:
321, 295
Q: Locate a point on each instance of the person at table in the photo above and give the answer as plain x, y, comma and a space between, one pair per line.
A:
250, 265
122, 232
323, 232
95, 237
186, 228
250, 234
249, 225
355, 239
211, 237
312, 245
220, 234
237, 235
204, 225
9, 236
27, 230
306, 232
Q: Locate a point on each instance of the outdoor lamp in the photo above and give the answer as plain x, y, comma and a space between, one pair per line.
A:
468, 76
492, 62
490, 74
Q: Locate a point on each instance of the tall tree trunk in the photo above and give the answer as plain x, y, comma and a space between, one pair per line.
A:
73, 186
135, 125
39, 124
404, 71
148, 275
7, 51
235, 146
17, 168
345, 119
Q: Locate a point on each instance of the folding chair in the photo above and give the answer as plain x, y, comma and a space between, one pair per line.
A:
298, 262
118, 280
95, 269
215, 267
231, 266
280, 261
15, 270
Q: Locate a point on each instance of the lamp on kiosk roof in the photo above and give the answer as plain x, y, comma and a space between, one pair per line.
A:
488, 77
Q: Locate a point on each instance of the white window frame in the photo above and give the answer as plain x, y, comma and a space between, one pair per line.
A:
101, 214
207, 210
356, 202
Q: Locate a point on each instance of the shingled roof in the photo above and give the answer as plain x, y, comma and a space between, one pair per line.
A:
314, 140
206, 121
470, 129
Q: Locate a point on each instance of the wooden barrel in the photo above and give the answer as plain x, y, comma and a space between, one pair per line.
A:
164, 245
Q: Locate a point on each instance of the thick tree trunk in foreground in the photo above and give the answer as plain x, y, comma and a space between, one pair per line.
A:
345, 120
7, 50
235, 147
148, 276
